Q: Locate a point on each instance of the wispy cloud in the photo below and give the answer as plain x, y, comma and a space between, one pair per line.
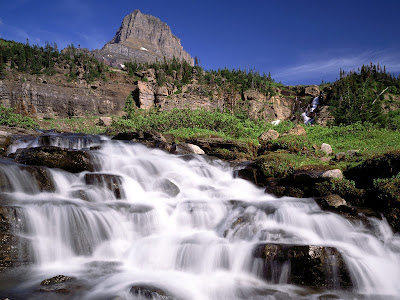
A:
17, 33
327, 66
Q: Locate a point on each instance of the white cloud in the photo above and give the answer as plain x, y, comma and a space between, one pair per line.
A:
327, 66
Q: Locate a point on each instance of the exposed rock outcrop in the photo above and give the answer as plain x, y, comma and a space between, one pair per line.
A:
142, 38
58, 98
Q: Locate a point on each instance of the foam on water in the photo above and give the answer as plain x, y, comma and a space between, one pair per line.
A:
185, 225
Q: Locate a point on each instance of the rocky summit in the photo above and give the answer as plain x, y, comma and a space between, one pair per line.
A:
142, 38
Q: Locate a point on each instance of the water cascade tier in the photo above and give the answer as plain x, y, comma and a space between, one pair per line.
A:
145, 224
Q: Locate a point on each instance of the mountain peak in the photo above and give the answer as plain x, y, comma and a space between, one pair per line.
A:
143, 38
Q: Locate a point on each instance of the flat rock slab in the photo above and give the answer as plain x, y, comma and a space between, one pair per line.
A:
73, 161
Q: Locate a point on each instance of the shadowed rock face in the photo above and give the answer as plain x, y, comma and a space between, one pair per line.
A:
307, 265
143, 38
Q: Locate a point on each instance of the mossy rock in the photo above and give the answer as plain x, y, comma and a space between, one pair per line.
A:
226, 149
274, 165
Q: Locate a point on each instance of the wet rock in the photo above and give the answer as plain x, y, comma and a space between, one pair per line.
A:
5, 141
262, 293
150, 139
108, 181
61, 284
55, 280
306, 265
150, 292
70, 141
37, 179
186, 148
14, 250
168, 187
53, 157
43, 179
326, 148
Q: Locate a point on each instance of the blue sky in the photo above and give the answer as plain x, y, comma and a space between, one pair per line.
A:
298, 41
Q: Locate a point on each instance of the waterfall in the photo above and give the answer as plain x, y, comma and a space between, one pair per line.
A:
151, 225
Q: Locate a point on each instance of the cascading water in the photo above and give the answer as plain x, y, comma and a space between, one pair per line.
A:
150, 225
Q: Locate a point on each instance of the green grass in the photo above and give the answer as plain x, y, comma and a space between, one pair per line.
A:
366, 138
190, 123
82, 125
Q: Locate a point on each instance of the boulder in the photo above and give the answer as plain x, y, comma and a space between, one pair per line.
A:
144, 95
167, 186
225, 149
5, 141
186, 148
312, 90
334, 200
326, 148
267, 136
306, 265
335, 173
297, 130
109, 181
105, 121
61, 284
73, 161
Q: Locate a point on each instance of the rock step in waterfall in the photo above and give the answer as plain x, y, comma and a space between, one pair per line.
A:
138, 223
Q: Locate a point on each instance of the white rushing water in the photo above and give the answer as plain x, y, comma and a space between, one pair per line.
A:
184, 225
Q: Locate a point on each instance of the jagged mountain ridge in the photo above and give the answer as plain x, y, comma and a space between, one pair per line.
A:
142, 38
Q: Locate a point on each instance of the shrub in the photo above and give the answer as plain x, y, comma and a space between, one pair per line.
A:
9, 118
342, 187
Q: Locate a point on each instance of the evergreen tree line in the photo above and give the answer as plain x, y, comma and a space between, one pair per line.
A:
358, 95
43, 60
239, 80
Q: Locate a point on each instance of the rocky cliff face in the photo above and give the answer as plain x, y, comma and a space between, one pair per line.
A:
52, 96
143, 38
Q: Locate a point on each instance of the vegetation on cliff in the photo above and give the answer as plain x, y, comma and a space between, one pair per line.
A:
36, 60
358, 96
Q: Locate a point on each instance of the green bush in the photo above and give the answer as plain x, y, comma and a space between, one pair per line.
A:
292, 143
342, 187
388, 190
9, 118
274, 165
